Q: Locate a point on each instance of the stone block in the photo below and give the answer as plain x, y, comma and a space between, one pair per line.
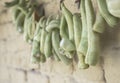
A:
9, 34
17, 76
2, 51
111, 55
111, 65
57, 79
61, 68
93, 73
5, 15
70, 79
4, 74
88, 81
37, 77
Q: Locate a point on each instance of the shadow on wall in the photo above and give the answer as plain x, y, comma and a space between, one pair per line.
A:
111, 37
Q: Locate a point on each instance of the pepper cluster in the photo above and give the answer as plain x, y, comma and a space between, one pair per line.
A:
66, 35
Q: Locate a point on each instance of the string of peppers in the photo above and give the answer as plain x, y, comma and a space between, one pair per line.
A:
64, 36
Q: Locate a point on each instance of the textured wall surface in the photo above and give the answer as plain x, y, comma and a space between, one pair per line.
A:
15, 66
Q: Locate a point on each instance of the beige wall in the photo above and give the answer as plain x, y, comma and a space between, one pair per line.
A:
15, 66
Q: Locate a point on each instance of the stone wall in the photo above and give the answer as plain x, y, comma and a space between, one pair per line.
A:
15, 66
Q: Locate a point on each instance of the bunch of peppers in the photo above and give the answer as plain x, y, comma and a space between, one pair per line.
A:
65, 36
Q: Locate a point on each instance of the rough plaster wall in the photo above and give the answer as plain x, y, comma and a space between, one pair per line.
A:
15, 66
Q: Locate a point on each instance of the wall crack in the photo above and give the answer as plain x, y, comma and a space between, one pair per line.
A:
103, 70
